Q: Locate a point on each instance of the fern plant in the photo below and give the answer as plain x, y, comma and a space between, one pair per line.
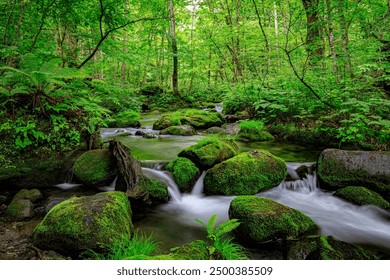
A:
222, 246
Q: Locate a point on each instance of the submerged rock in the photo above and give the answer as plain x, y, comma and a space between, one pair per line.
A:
339, 168
184, 172
82, 223
362, 196
327, 248
95, 168
182, 130
245, 174
263, 219
209, 152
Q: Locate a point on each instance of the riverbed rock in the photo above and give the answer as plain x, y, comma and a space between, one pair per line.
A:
210, 151
340, 168
253, 131
327, 248
181, 130
195, 118
362, 196
216, 130
21, 206
263, 219
20, 209
82, 223
184, 172
245, 174
148, 192
33, 195
95, 168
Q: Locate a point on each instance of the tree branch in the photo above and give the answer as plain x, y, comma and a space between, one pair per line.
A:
303, 81
103, 37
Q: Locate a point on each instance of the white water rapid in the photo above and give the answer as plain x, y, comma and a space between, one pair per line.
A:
367, 225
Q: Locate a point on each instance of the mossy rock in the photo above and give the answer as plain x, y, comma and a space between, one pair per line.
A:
245, 174
83, 223
362, 196
95, 168
148, 192
195, 118
339, 168
210, 151
184, 172
182, 130
263, 219
20, 209
216, 130
33, 195
166, 121
327, 248
196, 250
253, 131
128, 118
254, 137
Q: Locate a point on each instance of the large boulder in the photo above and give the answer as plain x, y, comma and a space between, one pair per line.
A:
245, 174
82, 223
263, 219
327, 248
181, 130
95, 168
339, 168
362, 196
184, 172
210, 151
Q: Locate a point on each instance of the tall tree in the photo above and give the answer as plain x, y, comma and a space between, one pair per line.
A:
173, 41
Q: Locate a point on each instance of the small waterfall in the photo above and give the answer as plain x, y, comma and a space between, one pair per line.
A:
68, 184
218, 107
307, 184
165, 178
198, 187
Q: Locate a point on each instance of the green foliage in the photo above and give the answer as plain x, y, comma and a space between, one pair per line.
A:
138, 246
222, 246
126, 118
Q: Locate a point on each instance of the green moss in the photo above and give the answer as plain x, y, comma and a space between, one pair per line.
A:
19, 209
128, 118
334, 175
362, 196
196, 250
184, 173
179, 130
193, 117
33, 195
148, 192
246, 173
94, 168
263, 219
210, 151
327, 248
83, 223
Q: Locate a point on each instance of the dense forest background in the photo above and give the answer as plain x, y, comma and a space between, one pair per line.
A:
317, 71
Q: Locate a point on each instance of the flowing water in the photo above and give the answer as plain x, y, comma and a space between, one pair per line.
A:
174, 223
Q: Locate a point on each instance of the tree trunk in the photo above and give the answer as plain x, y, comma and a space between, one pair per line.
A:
331, 40
314, 40
175, 71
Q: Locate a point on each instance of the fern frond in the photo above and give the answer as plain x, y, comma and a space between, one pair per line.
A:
226, 227
211, 224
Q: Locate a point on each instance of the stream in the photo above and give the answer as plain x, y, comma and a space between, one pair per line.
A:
174, 224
